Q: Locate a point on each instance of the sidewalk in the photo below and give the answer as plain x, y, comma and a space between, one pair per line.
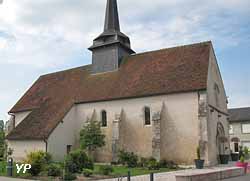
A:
12, 179
243, 178
171, 176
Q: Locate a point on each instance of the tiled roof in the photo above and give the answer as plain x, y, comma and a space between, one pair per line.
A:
239, 114
172, 70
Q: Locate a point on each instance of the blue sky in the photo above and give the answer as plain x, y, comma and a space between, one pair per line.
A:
43, 36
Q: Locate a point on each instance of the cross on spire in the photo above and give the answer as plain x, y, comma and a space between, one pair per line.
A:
112, 17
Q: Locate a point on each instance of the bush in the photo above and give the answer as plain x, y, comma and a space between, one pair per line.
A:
242, 159
38, 160
87, 172
246, 151
168, 164
54, 170
77, 160
153, 164
69, 176
143, 162
106, 169
128, 158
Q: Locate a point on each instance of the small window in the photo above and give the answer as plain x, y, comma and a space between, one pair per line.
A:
231, 130
147, 116
245, 128
69, 149
104, 118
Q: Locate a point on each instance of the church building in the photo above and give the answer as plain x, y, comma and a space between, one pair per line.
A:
162, 103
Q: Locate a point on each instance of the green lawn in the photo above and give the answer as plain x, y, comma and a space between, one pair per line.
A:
118, 171
123, 171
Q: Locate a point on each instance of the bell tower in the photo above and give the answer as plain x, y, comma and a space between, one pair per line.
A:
112, 45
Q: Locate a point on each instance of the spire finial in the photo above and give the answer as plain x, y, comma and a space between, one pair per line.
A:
112, 17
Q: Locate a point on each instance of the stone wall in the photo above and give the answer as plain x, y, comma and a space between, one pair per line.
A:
173, 133
22, 148
217, 110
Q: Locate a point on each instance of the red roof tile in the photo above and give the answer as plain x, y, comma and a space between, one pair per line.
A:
172, 70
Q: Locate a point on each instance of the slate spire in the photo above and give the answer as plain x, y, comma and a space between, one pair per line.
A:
112, 17
112, 45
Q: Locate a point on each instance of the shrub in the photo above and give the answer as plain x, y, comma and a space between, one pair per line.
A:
106, 169
242, 159
54, 170
246, 151
38, 161
87, 172
128, 158
122, 157
168, 164
69, 176
77, 160
198, 152
153, 164
143, 162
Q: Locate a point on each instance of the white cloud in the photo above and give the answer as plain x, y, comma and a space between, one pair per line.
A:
38, 25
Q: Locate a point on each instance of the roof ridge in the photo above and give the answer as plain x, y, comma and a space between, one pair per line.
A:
169, 48
66, 70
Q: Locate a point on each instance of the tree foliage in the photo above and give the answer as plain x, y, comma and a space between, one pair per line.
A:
91, 136
2, 137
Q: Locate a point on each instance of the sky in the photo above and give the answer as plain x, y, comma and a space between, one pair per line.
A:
44, 36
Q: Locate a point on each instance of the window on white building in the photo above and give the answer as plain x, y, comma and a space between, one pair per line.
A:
147, 117
236, 147
104, 118
245, 128
231, 130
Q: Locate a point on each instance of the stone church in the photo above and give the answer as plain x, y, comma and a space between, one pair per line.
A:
163, 103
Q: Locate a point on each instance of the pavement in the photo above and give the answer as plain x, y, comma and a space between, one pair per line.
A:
12, 179
243, 178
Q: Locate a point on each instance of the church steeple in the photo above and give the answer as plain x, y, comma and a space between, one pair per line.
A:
112, 45
112, 17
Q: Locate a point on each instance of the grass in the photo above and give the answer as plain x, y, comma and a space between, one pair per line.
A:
118, 171
123, 171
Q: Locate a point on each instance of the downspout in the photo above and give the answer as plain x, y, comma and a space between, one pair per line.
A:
46, 145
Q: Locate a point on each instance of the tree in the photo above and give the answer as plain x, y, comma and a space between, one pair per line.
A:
91, 136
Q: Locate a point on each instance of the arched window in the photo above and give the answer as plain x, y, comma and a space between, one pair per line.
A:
104, 118
216, 94
147, 117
